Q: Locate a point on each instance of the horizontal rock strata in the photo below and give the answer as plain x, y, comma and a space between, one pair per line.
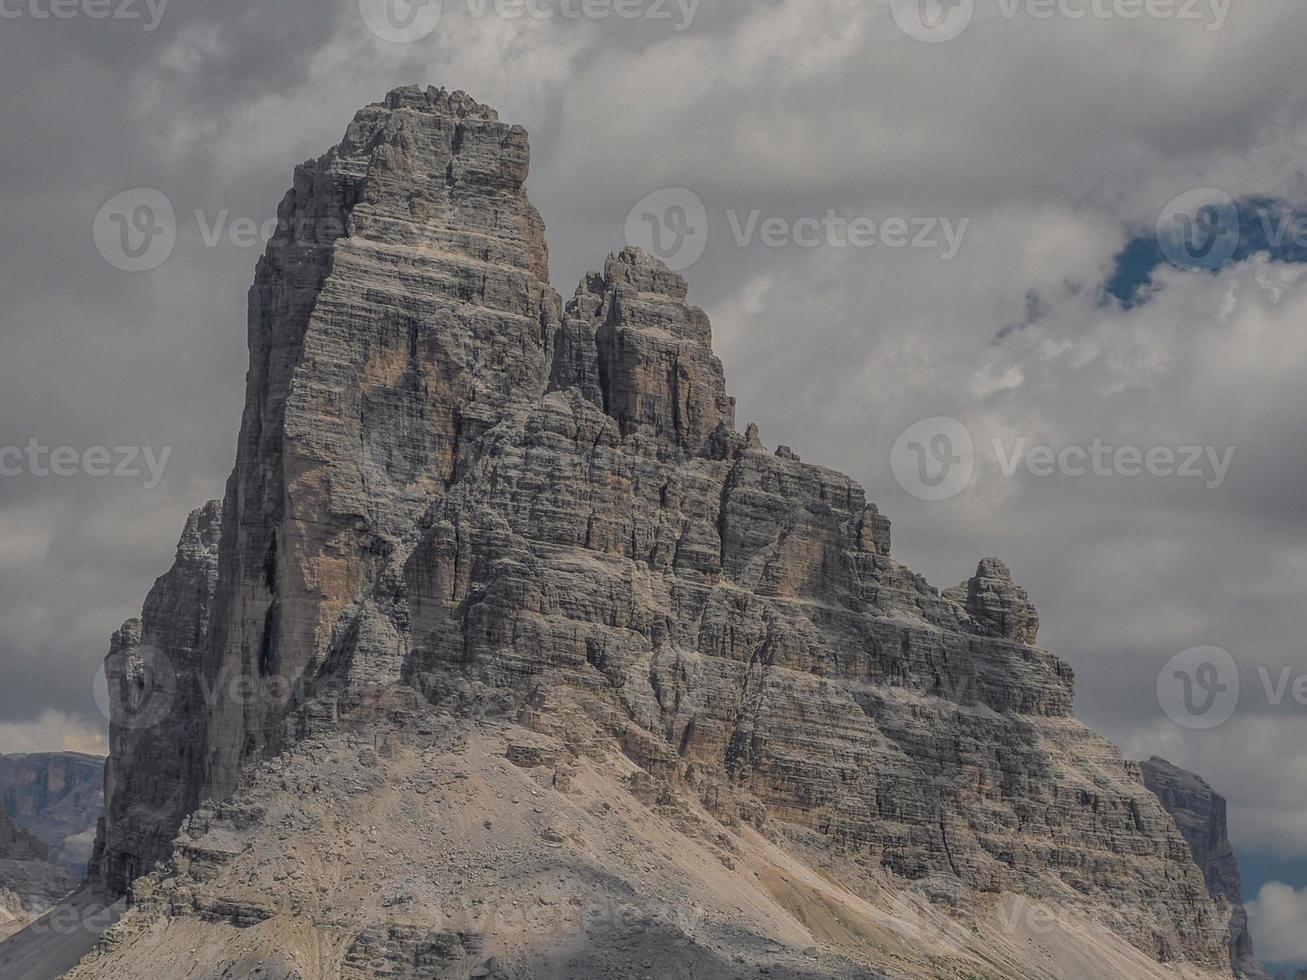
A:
450, 481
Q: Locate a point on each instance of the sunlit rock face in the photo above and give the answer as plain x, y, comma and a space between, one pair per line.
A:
449, 481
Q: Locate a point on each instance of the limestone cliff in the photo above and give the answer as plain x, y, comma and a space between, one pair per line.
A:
1200, 813
449, 483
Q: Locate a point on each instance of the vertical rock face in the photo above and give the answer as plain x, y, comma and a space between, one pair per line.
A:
59, 797
1199, 812
447, 482
158, 698
401, 308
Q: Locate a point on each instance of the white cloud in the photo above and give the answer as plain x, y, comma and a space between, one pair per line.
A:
1278, 920
53, 731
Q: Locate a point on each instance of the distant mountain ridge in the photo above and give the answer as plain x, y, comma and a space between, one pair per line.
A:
59, 797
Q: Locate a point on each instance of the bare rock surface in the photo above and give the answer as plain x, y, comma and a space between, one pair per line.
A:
1200, 813
29, 884
993, 599
459, 498
59, 797
410, 842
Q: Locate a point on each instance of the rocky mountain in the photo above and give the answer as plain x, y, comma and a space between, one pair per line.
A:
29, 883
507, 654
59, 797
1200, 813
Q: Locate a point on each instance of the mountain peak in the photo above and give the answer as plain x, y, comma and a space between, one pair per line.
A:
480, 546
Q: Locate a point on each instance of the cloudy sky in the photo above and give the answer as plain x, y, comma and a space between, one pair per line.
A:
899, 219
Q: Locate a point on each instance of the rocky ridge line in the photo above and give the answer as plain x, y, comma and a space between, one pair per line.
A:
446, 481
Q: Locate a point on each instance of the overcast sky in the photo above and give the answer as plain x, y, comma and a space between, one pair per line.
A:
1023, 154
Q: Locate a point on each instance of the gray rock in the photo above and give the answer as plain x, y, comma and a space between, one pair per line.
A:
1200, 813
159, 694
29, 883
996, 601
59, 797
446, 482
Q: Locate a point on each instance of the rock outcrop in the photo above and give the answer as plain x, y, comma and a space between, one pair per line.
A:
29, 883
1200, 813
992, 598
159, 698
59, 797
449, 484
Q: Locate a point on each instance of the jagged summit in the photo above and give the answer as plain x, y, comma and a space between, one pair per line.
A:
635, 349
438, 100
471, 530
992, 597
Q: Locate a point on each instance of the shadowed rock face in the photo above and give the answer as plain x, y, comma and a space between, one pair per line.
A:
19, 845
159, 699
1200, 813
58, 796
29, 883
447, 480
